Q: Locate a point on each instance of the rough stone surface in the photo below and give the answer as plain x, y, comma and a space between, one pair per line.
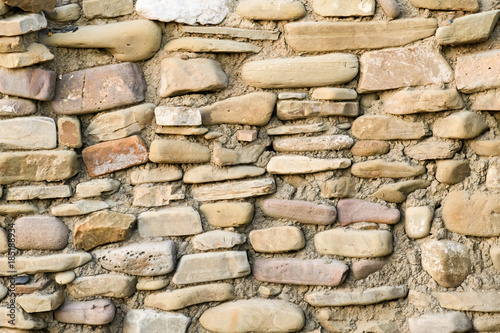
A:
177, 116
175, 221
97, 312
363, 268
277, 239
486, 147
107, 8
16, 107
487, 100
40, 233
354, 243
32, 6
485, 301
38, 192
162, 173
390, 8
107, 285
217, 239
23, 322
343, 187
65, 13
241, 155
35, 53
418, 221
452, 171
20, 24
209, 173
157, 196
69, 132
466, 5
300, 211
177, 151
451, 322
468, 29
148, 284
419, 101
234, 190
475, 72
234, 32
32, 83
97, 187
40, 303
380, 127
487, 323
384, 169
290, 109
228, 214
370, 148
137, 321
397, 192
342, 8
433, 149
28, 133
327, 142
460, 125
81, 207
207, 45
364, 297
294, 164
11, 44
273, 10
42, 264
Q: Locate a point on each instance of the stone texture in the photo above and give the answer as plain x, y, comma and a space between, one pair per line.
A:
460, 125
209, 173
481, 301
107, 8
319, 272
64, 13
28, 133
32, 83
271, 10
390, 8
45, 264
385, 169
370, 148
476, 72
11, 44
158, 195
452, 171
64, 277
363, 268
178, 130
177, 151
162, 173
246, 135
313, 143
80, 207
342, 8
465, 5
277, 239
107, 285
397, 192
486, 147
451, 322
38, 192
4, 8
335, 94
381, 127
32, 6
418, 221
448, 262
33, 287
97, 187
234, 32
217, 239
343, 187
294, 164
488, 100
291, 109
18, 209
291, 95
418, 101
298, 129
364, 297
175, 221
137, 321
23, 321
148, 284
177, 116
35, 53
433, 149
234, 190
20, 24
493, 178
246, 154
300, 211
40, 233
228, 214
206, 267
354, 243
32, 303
16, 107
69, 132
97, 312
209, 45
411, 66
487, 323
468, 29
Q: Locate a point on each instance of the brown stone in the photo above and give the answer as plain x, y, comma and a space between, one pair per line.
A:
209, 173
417, 101
355, 210
246, 154
452, 171
343, 187
363, 268
33, 6
40, 233
397, 192
228, 214
486, 147
69, 132
32, 83
278, 239
433, 149
162, 173
291, 109
97, 312
16, 107
370, 148
460, 125
11, 44
44, 264
32, 287
381, 127
385, 169
476, 72
177, 151
298, 210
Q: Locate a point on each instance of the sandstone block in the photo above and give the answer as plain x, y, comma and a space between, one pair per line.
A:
294, 164
209, 173
32, 83
11, 44
417, 101
418, 221
107, 8
342, 187
28, 133
365, 297
34, 54
460, 125
40, 233
298, 129
137, 321
163, 173
80, 207
32, 6
342, 8
300, 211
18, 209
176, 221
433, 149
475, 72
488, 100
482, 301
107, 285
452, 171
64, 13
354, 243
97, 312
148, 284
335, 94
69, 132
38, 192
45, 264
158, 195
16, 107
355, 210
450, 322
377, 127
313, 143
217, 239
493, 178
274, 10
468, 29
234, 32
209, 45
397, 192
228, 214
363, 268
234, 190
32, 303
184, 130
246, 135
97, 187
385, 169
278, 239
20, 24
177, 151
291, 109
486, 147
370, 148
23, 322
291, 95
465, 5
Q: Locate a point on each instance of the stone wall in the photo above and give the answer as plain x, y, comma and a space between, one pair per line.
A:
249, 166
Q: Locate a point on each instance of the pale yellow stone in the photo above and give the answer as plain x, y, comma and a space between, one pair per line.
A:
209, 173
228, 214
385, 169
197, 44
416, 101
107, 285
460, 125
162, 173
466, 5
418, 221
35, 53
271, 10
107, 8
468, 29
157, 196
277, 239
354, 243
40, 303
20, 24
364, 297
296, 164
336, 94
174, 221
234, 190
65, 13
344, 8
43, 264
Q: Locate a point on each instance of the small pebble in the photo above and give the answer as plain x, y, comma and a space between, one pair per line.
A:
65, 277
23, 279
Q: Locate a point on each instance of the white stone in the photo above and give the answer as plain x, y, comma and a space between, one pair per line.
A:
28, 133
65, 277
217, 239
418, 221
177, 116
294, 164
175, 221
150, 321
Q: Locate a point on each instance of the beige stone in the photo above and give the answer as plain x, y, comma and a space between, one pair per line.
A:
44, 264
343, 8
107, 8
32, 6
148, 284
487, 323
390, 8
356, 210
80, 207
209, 173
35, 53
381, 127
277, 239
32, 303
370, 148
418, 221
480, 301
4, 8
64, 277
4, 248
175, 221
228, 214
495, 256
107, 285
460, 125
298, 129
217, 239
271, 10
137, 321
17, 107
38, 192
465, 5
385, 169
313, 143
178, 151
97, 187
298, 210
291, 109
335, 94
354, 243
488, 100
468, 29
69, 132
178, 130
161, 173
157, 196
343, 187
364, 297
234, 190
11, 44
18, 209
450, 322
246, 154
493, 178
197, 44
397, 192
476, 72
40, 233
452, 171
246, 135
433, 149
97, 312
294, 164
486, 147
20, 24
32, 82
417, 101
65, 13
177, 116
23, 322
28, 133
233, 32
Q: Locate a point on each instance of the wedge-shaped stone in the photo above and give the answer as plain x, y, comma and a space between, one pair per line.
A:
37, 166
318, 272
40, 233
354, 243
23, 321
107, 8
291, 109
397, 192
120, 124
379, 127
298, 129
33, 303
28, 133
176, 221
137, 321
38, 192
44, 264
80, 207
97, 187
294, 164
206, 267
363, 268
476, 72
4, 8
465, 5
240, 155
468, 29
157, 196
97, 312
341, 36
182, 298
460, 125
417, 101
142, 259
100, 88
20, 24
107, 285
356, 210
228, 214
209, 173
313, 143
14, 107
344, 8
233, 32
274, 10
197, 44
433, 149
385, 169
177, 116
32, 83
177, 151
234, 190
235, 110
364, 297
452, 171
418, 221
32, 6
301, 72
255, 315
217, 239
451, 322
411, 66
34, 54
278, 239
163, 173
301, 211
486, 147
481, 301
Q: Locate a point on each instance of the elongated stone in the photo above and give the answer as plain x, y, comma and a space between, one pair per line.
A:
137, 321
380, 127
370, 148
163, 173
363, 268
18, 209
97, 312
417, 101
209, 173
107, 8
356, 210
384, 169
451, 322
14, 107
38, 192
460, 125
452, 171
313, 143
197, 44
336, 94
342, 8
465, 5
301, 72
40, 233
433, 149
177, 116
32, 83
11, 44
44, 264
184, 130
32, 6
298, 129
35, 53
300, 211
487, 323
486, 147
341, 36
176, 221
107, 285
354, 243
246, 154
364, 297
318, 272
418, 221
23, 321
488, 100
228, 214
291, 95
474, 72
64, 13
28, 133
157, 196
275, 10
481, 301
217, 239
97, 187
294, 164
177, 151
468, 29
80, 207
233, 32
397, 192
290, 109
33, 303
234, 190
20, 24
278, 239
149, 284
214, 266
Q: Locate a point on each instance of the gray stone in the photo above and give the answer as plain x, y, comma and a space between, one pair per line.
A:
290, 109
390, 8
107, 285
354, 243
138, 321
364, 297
217, 239
313, 143
271, 10
451, 322
175, 221
291, 95
294, 164
97, 312
97, 187
65, 13
417, 101
468, 29
157, 196
38, 192
234, 190
209, 173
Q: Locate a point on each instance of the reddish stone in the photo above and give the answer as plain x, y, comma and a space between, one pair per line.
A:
301, 211
69, 133
40, 233
370, 148
355, 210
32, 287
363, 268
98, 312
34, 83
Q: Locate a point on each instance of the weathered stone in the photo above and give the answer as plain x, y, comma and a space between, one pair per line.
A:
290, 109
148, 284
234, 190
228, 214
100, 88
28, 133
142, 259
354, 243
364, 297
209, 173
417, 101
177, 116
355, 210
488, 100
300, 211
102, 228
32, 6
460, 125
18, 209
33, 287
313, 143
380, 127
32, 83
107, 285
176, 221
158, 195
178, 130
97, 187
214, 266
241, 155
301, 72
433, 149
493, 178
69, 132
4, 8
390, 8
475, 72
451, 322
384, 169
4, 248
107, 8
44, 264
465, 5
97, 312
20, 24
319, 272
294, 164
177, 151
80, 207
342, 187
16, 107
233, 32
64, 277
273, 10
363, 268
182, 298
487, 323
291, 95
397, 192
163, 173
23, 321
137, 321
486, 147
495, 256
40, 303
217, 239
468, 29
38, 192
246, 135
34, 54
343, 8
298, 129
40, 233
336, 94
11, 44
37, 166
277, 239
482, 301
370, 148
65, 13
207, 45
411, 66
418, 221
341, 36
452, 171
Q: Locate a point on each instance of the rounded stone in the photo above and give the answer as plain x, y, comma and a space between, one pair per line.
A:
40, 233
65, 277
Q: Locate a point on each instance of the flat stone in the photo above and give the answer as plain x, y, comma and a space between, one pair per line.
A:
301, 72
451, 322
107, 285
44, 264
234, 190
397, 192
23, 321
20, 24
120, 124
69, 132
184, 130
460, 125
97, 187
342, 187
301, 211
37, 166
40, 233
255, 34
291, 109
318, 272
177, 151
28, 133
486, 147
177, 116
162, 173
32, 83
274, 10
381, 127
246, 135
356, 210
418, 221
481, 301
80, 207
11, 44
18, 209
35, 53
38, 192
487, 323
209, 173
32, 6
390, 8
294, 164
102, 228
475, 72
452, 171
235, 110
493, 178
214, 266
298, 129
291, 95
277, 239
64, 13
142, 259
246, 154
137, 321
363, 268
354, 243
107, 8
217, 239
33, 287
364, 297
313, 143
370, 148
334, 94
64, 277
182, 298
32, 303
16, 107
97, 312
4, 248
465, 5
342, 8
433, 149
148, 284
209, 45
419, 101
385, 169
228, 214
341, 36
157, 196
179, 77
176, 221
100, 88
488, 100
468, 29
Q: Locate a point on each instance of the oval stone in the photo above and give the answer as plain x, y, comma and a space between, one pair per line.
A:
40, 233
278, 239
98, 312
354, 243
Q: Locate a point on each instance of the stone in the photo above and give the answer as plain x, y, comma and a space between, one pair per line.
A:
493, 178
37, 166
397, 192
451, 322
120, 124
342, 8
273, 10
209, 173
142, 259
356, 210
370, 148
465, 5
298, 129
480, 301
40, 303
182, 298
385, 169
235, 110
354, 243
137, 321
363, 268
390, 8
100, 88
228, 214
234, 190
475, 72
487, 323
214, 266
488, 100
64, 277
20, 24
32, 287
184, 130
267, 291
32, 6
65, 13
127, 41
4, 8
11, 44
16, 107
364, 297
40, 233
209, 45
460, 125
301, 211
342, 36
294, 164
255, 34
206, 12
97, 312
80, 207
301, 72
382, 127
486, 147
28, 133
23, 321
32, 83
38, 192
318, 272
107, 285
157, 196
102, 228
277, 239
418, 101
176, 221
342, 187
163, 173
468, 29
18, 209
177, 151
410, 66
254, 315
334, 94
291, 109
44, 264
246, 135
97, 187
107, 8
4, 248
433, 149
313, 143
217, 239
418, 221
246, 154
291, 95
148, 284
69, 132
177, 116
34, 54
452, 171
